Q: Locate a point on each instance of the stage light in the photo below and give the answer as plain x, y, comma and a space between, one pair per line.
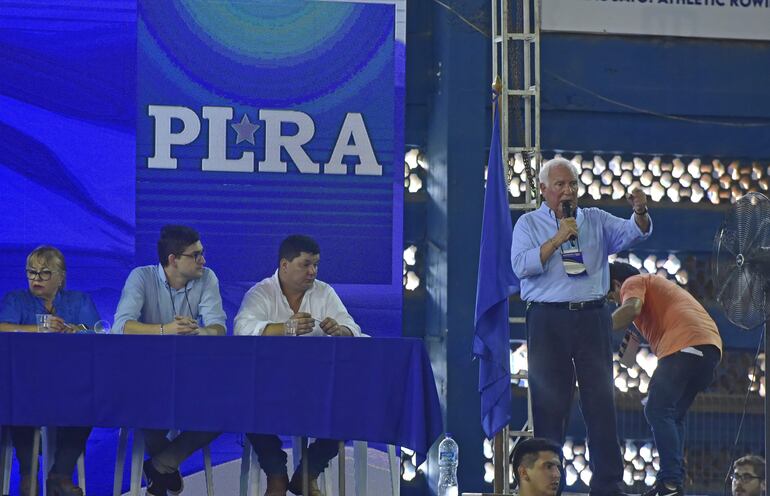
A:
678, 168
685, 180
618, 191
594, 190
646, 452
410, 158
673, 192
639, 166
518, 164
650, 264
515, 187
644, 384
626, 178
488, 449
672, 264
694, 168
666, 180
634, 261
566, 450
646, 178
409, 255
697, 193
657, 191
489, 472
415, 183
579, 462
654, 166
606, 177
630, 452
649, 479
628, 476
586, 177
571, 475
585, 476
412, 281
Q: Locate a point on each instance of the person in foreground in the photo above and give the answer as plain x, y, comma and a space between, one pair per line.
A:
536, 465
293, 297
559, 253
748, 477
69, 311
178, 296
686, 341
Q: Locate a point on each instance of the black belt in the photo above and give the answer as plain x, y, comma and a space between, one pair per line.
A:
572, 305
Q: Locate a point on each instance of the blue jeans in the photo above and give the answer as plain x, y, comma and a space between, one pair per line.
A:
563, 345
272, 458
673, 387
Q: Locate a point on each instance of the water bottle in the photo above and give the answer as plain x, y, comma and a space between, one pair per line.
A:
447, 466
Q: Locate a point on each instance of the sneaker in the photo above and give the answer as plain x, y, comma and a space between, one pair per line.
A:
660, 489
159, 484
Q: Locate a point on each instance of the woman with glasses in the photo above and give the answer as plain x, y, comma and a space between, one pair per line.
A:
68, 311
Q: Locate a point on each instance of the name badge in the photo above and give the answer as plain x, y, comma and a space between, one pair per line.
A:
572, 258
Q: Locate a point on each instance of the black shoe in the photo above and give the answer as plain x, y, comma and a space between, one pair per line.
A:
660, 489
158, 484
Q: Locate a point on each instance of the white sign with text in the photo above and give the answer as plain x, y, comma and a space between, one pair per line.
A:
730, 19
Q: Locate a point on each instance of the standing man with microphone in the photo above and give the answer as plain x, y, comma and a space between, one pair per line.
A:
559, 253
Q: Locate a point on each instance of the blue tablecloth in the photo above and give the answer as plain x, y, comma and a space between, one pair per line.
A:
373, 389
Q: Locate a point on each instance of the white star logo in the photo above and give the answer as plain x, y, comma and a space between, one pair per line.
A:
245, 129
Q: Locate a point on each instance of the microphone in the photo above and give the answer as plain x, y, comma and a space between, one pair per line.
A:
566, 208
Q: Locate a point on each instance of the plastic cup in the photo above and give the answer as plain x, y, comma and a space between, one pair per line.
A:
43, 322
290, 328
102, 327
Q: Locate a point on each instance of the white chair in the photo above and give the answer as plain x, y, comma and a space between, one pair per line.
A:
137, 460
6, 454
49, 450
48, 435
250, 476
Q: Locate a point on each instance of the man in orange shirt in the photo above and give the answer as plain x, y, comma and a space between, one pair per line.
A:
686, 341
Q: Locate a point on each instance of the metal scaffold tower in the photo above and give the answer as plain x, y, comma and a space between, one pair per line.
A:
516, 62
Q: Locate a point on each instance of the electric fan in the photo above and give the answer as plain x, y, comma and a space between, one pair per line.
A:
740, 266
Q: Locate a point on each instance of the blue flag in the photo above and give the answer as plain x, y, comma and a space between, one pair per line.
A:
496, 281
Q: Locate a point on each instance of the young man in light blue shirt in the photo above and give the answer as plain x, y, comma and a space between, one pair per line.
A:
177, 296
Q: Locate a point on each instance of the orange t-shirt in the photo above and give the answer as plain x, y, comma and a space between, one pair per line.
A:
671, 319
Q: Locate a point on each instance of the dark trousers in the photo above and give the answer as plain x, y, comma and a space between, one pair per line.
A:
673, 387
168, 455
70, 444
563, 345
272, 458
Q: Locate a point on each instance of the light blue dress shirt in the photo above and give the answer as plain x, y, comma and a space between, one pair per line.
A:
148, 298
600, 234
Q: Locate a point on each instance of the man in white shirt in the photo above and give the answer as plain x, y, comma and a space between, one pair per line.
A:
293, 298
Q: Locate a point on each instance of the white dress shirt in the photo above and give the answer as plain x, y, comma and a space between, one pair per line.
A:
265, 304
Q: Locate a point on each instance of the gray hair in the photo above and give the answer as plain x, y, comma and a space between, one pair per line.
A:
545, 170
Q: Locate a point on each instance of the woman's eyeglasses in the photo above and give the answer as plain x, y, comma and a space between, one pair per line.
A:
43, 275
